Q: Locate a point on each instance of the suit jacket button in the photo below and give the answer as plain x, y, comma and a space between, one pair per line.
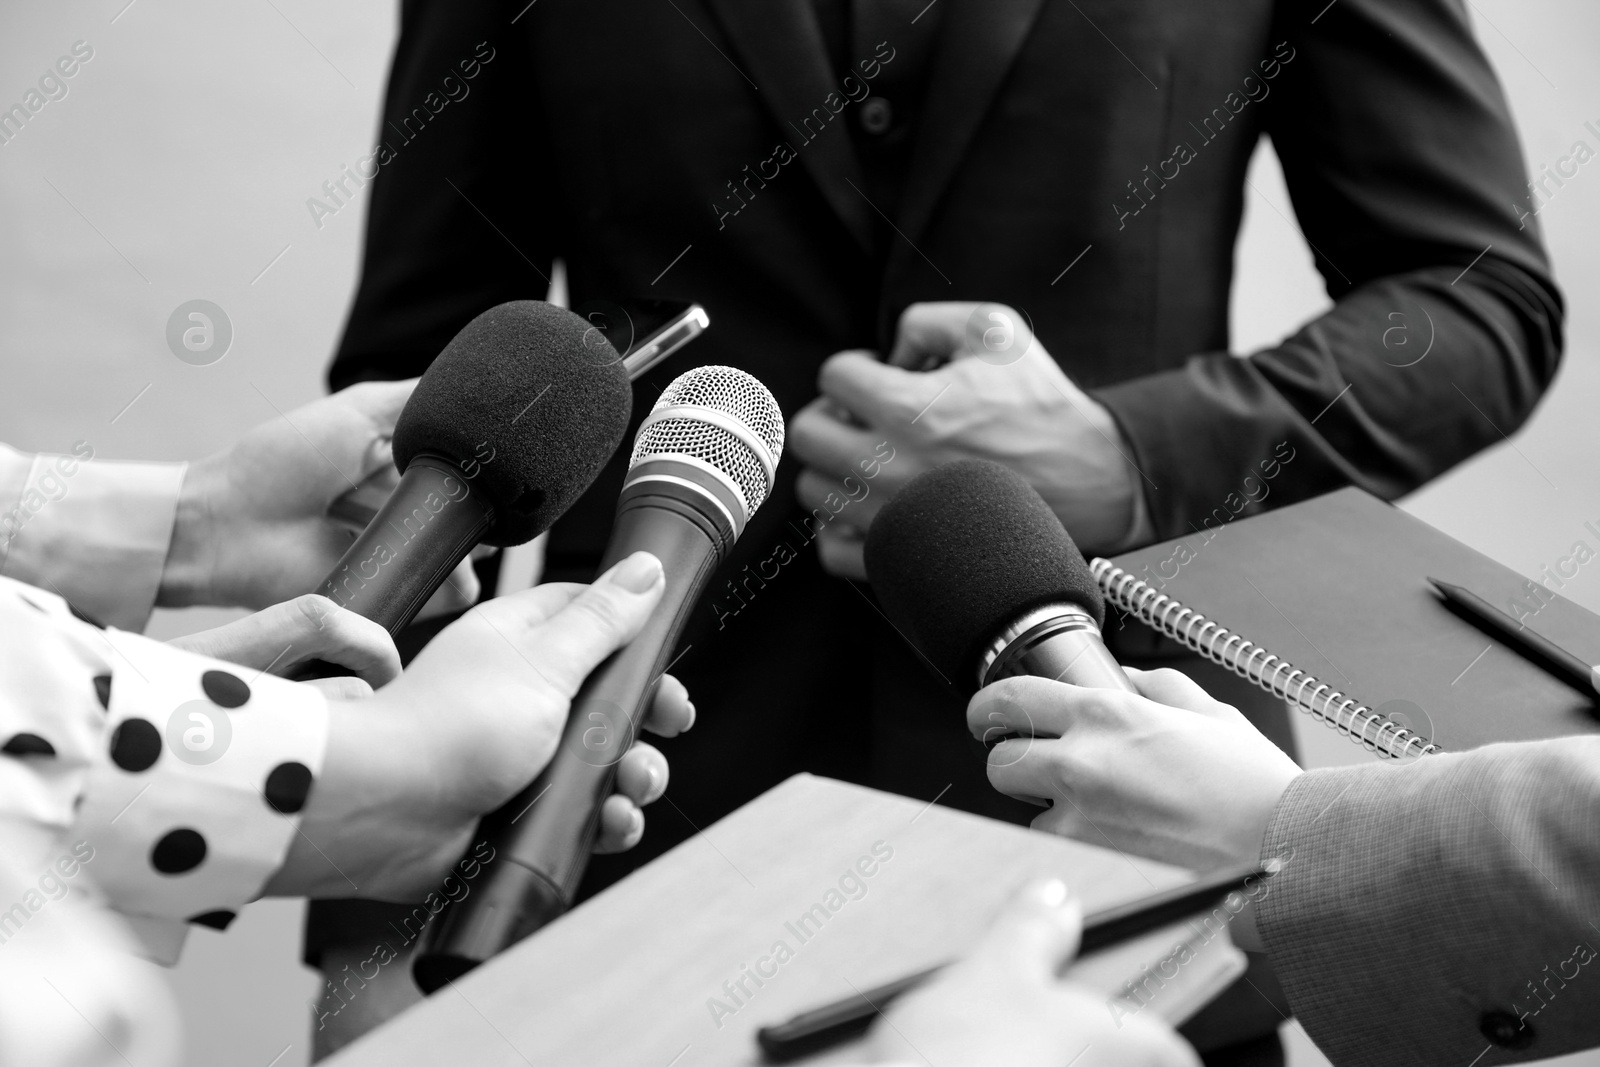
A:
877, 115
1504, 1029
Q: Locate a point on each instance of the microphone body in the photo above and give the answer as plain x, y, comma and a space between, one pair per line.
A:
429, 524
697, 475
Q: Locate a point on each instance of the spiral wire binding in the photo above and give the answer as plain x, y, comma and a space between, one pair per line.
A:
1255, 664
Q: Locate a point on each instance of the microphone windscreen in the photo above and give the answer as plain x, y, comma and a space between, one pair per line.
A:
529, 401
962, 552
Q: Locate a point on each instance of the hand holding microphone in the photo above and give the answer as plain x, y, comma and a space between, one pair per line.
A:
703, 461
410, 769
508, 427
976, 570
252, 526
1167, 772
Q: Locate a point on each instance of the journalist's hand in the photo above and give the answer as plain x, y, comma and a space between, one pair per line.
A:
1173, 775
1003, 1004
411, 768
253, 527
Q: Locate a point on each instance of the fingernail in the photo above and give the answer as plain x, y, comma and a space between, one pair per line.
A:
1052, 893
690, 724
638, 573
638, 819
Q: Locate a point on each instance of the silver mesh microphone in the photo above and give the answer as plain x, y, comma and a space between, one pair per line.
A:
717, 422
703, 462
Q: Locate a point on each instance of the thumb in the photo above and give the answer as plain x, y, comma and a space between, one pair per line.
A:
343, 687
935, 333
381, 401
286, 635
1036, 935
602, 618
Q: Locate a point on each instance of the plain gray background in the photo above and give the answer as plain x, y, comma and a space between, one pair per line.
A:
178, 167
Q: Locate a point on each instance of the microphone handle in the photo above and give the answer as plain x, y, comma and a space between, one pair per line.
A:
1065, 646
542, 837
429, 524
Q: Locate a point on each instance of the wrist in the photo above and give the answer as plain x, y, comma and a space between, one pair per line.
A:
1246, 932
188, 575
1103, 504
1127, 495
1256, 823
370, 826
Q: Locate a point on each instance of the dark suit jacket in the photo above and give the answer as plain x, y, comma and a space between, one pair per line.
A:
1442, 912
617, 136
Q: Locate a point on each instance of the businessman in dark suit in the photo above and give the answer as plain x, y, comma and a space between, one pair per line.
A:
809, 169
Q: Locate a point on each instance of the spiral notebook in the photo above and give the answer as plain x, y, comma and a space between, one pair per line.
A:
1127, 593
1326, 604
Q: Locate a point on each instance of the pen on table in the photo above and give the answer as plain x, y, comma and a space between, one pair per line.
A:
1551, 656
829, 1024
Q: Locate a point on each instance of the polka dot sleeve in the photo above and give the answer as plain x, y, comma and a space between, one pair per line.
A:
184, 773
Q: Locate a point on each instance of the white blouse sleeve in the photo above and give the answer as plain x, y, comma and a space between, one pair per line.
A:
95, 531
182, 775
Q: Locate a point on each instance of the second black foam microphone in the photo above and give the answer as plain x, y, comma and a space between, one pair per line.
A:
703, 460
973, 567
505, 430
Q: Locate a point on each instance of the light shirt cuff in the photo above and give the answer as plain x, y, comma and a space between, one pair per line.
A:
95, 532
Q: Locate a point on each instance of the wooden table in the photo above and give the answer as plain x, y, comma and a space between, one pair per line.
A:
859, 886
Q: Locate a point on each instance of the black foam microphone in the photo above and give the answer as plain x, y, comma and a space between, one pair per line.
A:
703, 461
506, 429
973, 567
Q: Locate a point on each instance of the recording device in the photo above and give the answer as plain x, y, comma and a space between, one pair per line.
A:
505, 430
703, 461
645, 332
976, 571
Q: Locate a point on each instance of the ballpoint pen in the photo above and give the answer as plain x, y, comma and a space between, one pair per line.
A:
1496, 623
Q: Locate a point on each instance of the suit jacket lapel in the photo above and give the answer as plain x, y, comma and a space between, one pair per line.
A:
781, 46
977, 42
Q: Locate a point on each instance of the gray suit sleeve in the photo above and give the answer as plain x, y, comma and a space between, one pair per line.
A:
1444, 910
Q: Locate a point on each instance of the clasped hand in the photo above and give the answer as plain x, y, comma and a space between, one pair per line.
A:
964, 381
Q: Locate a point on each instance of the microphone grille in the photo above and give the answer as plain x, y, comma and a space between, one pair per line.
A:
730, 390
722, 418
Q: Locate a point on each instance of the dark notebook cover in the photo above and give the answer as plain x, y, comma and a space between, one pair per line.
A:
1338, 586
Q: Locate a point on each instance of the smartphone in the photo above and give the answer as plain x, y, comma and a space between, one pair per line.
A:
645, 331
